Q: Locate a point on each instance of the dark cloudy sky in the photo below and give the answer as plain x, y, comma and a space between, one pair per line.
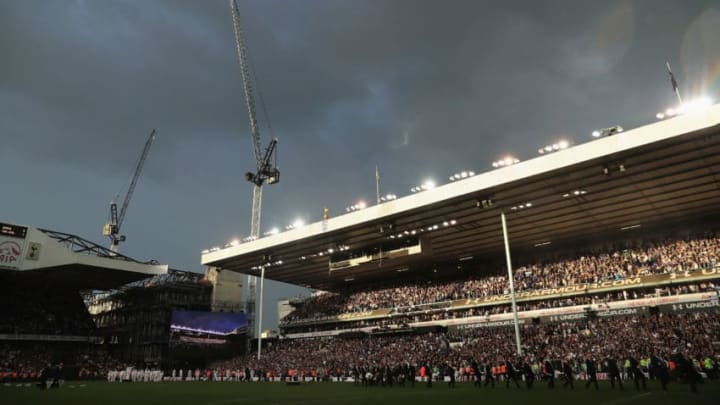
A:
420, 88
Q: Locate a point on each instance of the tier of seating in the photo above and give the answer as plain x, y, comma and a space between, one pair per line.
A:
635, 259
406, 318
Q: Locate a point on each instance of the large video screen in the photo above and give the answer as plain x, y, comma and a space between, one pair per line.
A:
210, 323
200, 337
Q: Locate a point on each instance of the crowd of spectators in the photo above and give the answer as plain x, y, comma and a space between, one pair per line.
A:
25, 361
596, 266
695, 335
401, 319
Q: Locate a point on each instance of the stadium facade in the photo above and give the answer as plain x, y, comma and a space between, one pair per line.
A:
68, 300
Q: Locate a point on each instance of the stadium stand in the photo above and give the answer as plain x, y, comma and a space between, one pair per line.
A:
405, 319
46, 330
635, 260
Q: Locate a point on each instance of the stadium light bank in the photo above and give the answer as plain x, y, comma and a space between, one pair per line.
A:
506, 161
462, 175
560, 145
298, 223
427, 185
356, 207
693, 106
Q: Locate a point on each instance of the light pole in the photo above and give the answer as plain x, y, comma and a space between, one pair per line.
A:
260, 310
512, 283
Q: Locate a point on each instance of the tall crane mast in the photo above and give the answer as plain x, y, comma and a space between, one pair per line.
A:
112, 228
265, 163
266, 168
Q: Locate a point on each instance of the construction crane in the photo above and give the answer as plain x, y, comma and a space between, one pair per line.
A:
266, 165
112, 228
266, 171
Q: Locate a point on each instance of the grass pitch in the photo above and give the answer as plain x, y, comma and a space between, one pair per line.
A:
201, 393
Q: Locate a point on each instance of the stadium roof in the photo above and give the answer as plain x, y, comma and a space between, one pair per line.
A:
68, 259
669, 170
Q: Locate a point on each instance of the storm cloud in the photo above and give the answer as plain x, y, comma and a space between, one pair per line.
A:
419, 88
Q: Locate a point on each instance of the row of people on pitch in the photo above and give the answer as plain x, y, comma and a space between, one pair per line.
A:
521, 373
221, 374
701, 251
403, 374
567, 371
131, 374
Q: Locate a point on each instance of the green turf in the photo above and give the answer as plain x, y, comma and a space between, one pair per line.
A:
199, 393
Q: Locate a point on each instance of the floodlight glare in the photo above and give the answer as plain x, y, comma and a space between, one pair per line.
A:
694, 106
506, 161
